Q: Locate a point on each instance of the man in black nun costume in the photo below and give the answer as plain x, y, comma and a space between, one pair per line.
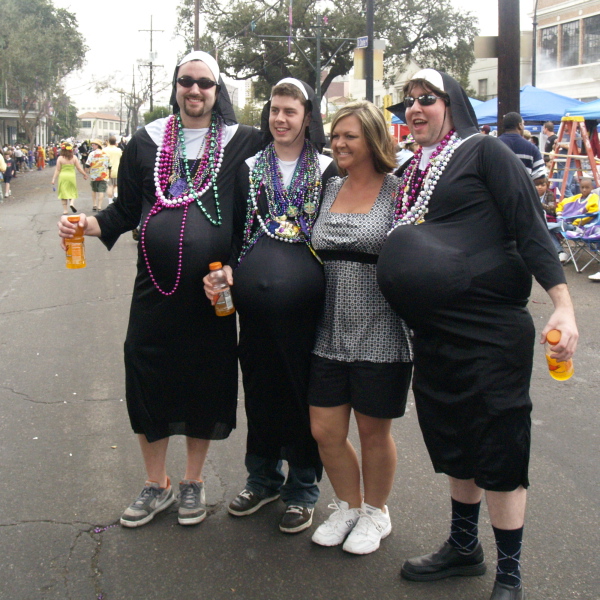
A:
468, 234
177, 178
278, 292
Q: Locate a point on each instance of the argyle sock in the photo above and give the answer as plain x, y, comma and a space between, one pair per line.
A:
463, 529
508, 544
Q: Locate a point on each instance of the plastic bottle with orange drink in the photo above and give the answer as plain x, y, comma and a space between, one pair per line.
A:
559, 370
75, 246
224, 304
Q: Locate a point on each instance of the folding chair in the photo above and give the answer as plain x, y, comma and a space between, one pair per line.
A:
581, 241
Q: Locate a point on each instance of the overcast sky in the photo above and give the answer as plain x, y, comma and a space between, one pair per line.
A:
111, 29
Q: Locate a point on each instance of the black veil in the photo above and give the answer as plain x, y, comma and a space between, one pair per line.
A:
463, 115
223, 105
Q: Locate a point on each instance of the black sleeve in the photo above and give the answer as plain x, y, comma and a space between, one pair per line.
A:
330, 171
240, 211
400, 170
550, 143
522, 212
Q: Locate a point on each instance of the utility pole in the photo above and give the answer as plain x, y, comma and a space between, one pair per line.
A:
152, 57
534, 47
196, 24
369, 52
318, 65
509, 53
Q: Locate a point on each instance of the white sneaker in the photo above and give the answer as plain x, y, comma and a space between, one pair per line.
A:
595, 277
371, 528
339, 524
563, 257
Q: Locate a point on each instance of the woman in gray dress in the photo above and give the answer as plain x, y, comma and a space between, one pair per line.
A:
362, 361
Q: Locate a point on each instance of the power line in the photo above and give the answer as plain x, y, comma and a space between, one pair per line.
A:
152, 57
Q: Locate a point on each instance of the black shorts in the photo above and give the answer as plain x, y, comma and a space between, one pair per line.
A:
373, 389
466, 441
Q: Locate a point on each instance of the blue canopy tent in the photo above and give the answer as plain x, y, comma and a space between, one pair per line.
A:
474, 102
589, 110
536, 105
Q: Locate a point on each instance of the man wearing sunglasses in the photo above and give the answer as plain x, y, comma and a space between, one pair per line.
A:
457, 266
176, 177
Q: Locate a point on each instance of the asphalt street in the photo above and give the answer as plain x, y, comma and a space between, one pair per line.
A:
69, 463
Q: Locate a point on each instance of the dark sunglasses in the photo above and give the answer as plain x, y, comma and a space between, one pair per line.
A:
203, 83
424, 100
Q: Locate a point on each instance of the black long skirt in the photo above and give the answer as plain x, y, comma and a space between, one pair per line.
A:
279, 289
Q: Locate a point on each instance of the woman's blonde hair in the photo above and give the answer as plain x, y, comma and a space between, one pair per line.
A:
376, 133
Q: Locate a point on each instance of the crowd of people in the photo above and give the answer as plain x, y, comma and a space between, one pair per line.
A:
97, 159
353, 277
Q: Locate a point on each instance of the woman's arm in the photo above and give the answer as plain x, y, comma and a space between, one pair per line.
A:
79, 168
56, 170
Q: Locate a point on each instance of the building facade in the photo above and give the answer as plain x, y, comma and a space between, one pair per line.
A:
99, 125
568, 47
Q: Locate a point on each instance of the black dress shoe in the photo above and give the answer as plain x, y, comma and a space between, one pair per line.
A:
446, 562
502, 591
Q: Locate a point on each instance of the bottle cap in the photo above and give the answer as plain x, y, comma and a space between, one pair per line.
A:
553, 337
73, 218
215, 266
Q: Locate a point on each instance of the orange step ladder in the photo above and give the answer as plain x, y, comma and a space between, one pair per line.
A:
573, 127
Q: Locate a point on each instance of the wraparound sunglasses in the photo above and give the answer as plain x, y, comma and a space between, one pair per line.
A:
204, 83
424, 100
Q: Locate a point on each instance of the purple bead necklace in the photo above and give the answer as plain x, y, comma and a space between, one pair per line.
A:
183, 192
416, 187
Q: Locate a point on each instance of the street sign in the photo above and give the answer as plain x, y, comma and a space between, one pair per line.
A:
362, 42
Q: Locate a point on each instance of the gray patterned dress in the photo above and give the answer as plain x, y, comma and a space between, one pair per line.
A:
357, 322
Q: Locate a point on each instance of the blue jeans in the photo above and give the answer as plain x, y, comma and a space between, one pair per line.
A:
554, 229
266, 478
572, 187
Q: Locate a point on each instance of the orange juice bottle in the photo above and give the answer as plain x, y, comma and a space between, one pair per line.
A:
75, 246
224, 305
558, 370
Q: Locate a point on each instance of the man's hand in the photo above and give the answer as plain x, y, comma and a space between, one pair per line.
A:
210, 292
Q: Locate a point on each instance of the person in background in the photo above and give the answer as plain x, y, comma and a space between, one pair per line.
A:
362, 360
65, 173
548, 133
41, 158
403, 152
114, 158
19, 158
9, 172
485, 129
548, 200
585, 202
528, 154
2, 171
98, 167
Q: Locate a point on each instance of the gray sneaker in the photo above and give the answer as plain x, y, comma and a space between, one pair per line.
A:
192, 501
152, 500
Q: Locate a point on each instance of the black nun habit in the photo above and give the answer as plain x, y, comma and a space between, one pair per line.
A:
180, 358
